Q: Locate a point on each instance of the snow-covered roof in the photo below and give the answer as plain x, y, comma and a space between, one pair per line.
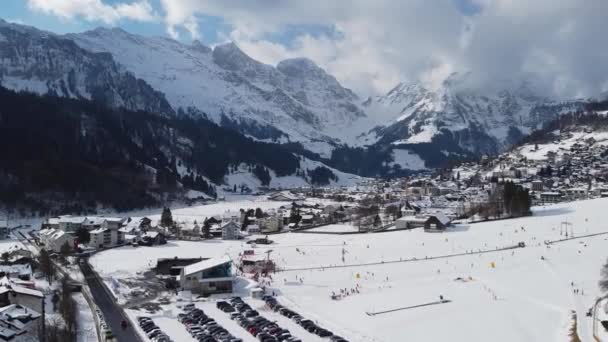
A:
98, 231
93, 220
206, 264
442, 218
71, 219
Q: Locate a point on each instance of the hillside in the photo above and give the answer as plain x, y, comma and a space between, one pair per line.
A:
81, 153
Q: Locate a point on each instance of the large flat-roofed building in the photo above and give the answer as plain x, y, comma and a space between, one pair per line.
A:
208, 276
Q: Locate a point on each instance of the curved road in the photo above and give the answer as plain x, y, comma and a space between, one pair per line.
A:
105, 301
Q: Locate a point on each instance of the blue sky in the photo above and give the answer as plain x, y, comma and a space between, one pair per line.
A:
212, 29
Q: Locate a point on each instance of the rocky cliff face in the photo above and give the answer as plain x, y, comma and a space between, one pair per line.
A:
479, 123
296, 97
42, 62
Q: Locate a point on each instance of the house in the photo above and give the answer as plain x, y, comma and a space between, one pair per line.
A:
307, 219
51, 222
54, 239
152, 238
434, 222
70, 224
17, 323
233, 216
253, 229
208, 276
12, 293
410, 222
17, 271
231, 231
270, 224
254, 263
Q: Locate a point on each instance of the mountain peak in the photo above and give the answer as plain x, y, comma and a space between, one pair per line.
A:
197, 45
299, 67
229, 56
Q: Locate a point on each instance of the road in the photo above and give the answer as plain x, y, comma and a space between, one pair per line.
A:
106, 303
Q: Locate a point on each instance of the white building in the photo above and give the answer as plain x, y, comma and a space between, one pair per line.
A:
208, 276
231, 231
53, 239
106, 238
70, 224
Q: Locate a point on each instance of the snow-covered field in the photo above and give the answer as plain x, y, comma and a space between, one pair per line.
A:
336, 228
527, 296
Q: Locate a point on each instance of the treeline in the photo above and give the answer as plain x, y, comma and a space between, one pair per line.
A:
321, 176
79, 153
507, 200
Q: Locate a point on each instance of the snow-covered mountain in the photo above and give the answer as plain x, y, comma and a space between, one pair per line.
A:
43, 62
412, 126
294, 101
477, 122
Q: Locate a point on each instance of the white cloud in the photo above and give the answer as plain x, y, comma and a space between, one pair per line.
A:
371, 45
95, 10
557, 44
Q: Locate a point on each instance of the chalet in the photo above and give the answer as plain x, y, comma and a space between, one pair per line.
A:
283, 196
191, 229
208, 276
434, 222
153, 238
231, 231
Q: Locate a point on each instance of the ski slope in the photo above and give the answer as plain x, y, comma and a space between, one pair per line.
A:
527, 296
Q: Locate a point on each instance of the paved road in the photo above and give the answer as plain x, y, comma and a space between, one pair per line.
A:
111, 311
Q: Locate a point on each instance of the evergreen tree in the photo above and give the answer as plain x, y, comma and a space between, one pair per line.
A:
83, 235
65, 249
166, 218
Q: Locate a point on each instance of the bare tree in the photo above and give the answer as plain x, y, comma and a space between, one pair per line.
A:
46, 265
